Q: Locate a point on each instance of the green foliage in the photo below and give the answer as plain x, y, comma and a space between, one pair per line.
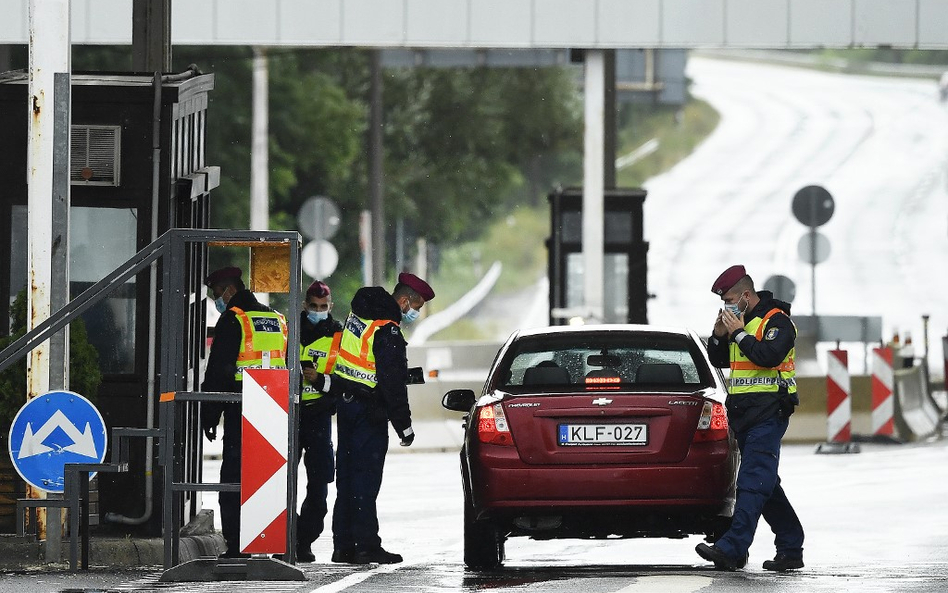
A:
678, 129
84, 374
888, 55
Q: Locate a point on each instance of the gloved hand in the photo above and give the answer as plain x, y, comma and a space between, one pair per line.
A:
407, 437
319, 381
210, 417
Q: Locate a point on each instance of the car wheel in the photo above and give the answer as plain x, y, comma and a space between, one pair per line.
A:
483, 544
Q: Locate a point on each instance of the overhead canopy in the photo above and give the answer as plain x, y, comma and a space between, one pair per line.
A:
777, 24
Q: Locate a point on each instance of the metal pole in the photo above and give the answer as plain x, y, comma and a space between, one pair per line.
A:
376, 170
259, 150
151, 35
48, 199
593, 247
609, 120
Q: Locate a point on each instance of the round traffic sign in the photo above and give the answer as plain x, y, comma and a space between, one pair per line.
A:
782, 287
813, 206
813, 248
52, 430
319, 259
318, 218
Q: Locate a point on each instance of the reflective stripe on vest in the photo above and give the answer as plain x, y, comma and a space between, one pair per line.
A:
356, 360
322, 352
263, 335
747, 377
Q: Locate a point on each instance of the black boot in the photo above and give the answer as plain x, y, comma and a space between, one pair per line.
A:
782, 563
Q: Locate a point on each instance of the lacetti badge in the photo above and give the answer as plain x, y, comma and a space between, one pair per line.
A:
602, 401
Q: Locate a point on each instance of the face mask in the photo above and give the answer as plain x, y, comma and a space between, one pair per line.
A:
410, 315
316, 316
220, 304
735, 309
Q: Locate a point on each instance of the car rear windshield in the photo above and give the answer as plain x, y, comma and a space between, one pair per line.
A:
639, 361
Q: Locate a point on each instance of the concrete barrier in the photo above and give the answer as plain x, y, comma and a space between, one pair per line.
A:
916, 415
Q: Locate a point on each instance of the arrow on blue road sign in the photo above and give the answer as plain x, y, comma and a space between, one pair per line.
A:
45, 436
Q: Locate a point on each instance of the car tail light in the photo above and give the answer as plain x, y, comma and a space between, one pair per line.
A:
492, 425
712, 425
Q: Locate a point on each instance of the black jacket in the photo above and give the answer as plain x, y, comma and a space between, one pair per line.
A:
391, 356
748, 409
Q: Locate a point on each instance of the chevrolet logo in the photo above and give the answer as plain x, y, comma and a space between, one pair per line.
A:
602, 401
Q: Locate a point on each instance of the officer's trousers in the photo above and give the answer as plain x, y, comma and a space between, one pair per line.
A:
230, 473
360, 458
759, 494
315, 448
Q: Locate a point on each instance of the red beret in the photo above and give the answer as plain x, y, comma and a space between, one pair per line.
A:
728, 279
318, 289
222, 275
417, 284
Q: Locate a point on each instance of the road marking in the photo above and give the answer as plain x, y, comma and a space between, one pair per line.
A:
668, 584
356, 578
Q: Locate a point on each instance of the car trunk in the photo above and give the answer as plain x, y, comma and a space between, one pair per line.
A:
603, 427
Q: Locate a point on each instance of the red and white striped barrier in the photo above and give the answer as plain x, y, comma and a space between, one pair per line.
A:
838, 400
883, 400
263, 461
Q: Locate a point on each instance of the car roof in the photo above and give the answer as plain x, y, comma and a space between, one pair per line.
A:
610, 327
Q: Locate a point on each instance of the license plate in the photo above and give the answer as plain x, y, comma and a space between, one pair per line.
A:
603, 434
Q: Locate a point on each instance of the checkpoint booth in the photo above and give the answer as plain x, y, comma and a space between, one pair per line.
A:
137, 168
625, 263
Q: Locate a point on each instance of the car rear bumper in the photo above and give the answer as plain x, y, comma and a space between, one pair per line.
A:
502, 481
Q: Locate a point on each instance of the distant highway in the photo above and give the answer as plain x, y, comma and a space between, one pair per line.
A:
879, 145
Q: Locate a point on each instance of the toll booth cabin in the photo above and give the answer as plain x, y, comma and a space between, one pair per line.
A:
625, 265
137, 168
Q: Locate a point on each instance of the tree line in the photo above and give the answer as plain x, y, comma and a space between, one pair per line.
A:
462, 146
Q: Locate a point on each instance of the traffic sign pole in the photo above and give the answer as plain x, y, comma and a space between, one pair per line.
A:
813, 206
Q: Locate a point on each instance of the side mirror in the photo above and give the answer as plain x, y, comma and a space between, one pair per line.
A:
459, 400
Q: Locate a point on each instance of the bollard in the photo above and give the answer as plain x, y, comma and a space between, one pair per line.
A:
263, 466
838, 405
883, 402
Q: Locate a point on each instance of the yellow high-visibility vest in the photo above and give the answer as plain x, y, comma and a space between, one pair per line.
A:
356, 360
323, 352
747, 377
263, 339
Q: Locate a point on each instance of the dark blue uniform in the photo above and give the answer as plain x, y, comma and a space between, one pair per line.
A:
315, 445
759, 422
362, 420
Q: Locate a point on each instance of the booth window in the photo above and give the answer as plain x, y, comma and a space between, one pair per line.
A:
101, 239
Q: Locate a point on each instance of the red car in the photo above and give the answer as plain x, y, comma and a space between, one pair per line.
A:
595, 432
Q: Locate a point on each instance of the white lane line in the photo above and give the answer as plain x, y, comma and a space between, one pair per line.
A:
668, 584
356, 578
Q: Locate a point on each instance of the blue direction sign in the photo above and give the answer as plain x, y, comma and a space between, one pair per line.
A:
52, 430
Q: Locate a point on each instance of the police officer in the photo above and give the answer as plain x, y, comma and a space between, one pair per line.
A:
754, 336
247, 335
372, 373
319, 342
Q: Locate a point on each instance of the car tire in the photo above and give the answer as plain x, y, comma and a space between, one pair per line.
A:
483, 543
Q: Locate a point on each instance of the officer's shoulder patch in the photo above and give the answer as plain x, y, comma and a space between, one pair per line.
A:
771, 333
